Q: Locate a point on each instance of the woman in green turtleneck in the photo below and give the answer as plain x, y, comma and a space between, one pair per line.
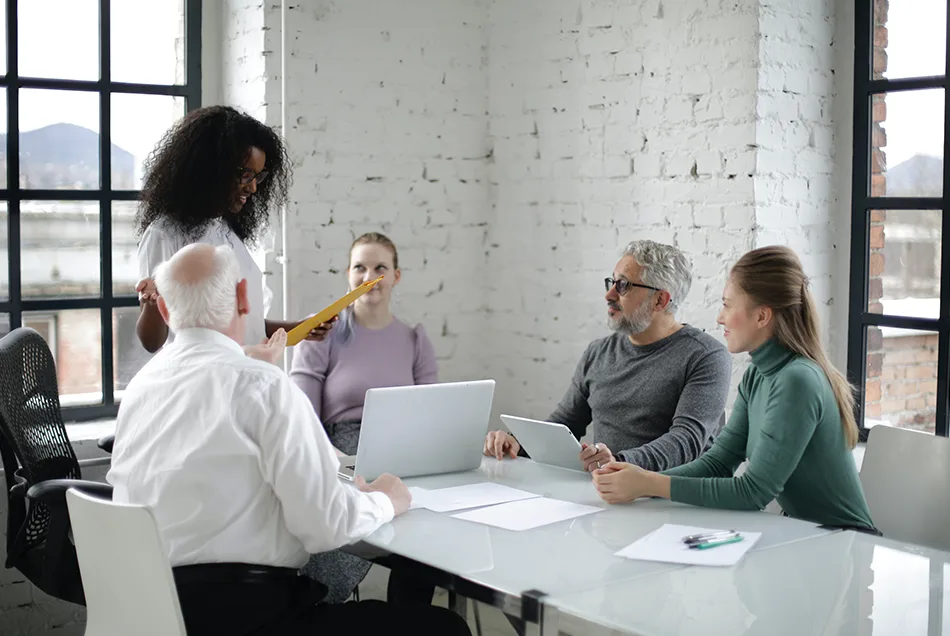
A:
793, 418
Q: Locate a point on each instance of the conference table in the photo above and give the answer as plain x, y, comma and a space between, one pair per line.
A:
797, 579
565, 577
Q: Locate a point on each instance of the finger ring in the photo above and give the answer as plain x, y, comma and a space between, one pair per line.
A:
598, 465
596, 448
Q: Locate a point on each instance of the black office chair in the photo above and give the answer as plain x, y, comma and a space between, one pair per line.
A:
39, 465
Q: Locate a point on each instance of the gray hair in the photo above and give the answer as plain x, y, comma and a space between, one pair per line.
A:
209, 302
662, 266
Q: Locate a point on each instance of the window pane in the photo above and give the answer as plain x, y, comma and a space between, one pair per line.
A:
4, 253
901, 385
128, 354
4, 324
148, 41
125, 266
138, 123
3, 37
59, 38
904, 256
59, 140
75, 338
907, 143
910, 38
59, 248
3, 137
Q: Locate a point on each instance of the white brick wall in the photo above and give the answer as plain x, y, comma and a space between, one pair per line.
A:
387, 124
610, 122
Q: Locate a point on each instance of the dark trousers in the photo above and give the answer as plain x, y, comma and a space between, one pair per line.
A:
408, 588
238, 600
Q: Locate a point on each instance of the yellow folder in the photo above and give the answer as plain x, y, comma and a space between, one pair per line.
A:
300, 332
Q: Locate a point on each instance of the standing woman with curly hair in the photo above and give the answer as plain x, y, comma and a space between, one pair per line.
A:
212, 179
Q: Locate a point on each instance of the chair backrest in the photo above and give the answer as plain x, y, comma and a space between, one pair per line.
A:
905, 475
125, 571
33, 442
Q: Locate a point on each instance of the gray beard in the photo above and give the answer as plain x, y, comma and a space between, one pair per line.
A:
632, 325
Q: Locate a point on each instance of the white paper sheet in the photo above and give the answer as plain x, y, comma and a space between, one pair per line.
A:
420, 497
665, 544
527, 514
470, 496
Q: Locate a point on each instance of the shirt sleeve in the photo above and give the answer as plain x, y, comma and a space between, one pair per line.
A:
309, 369
728, 451
425, 368
574, 410
299, 463
698, 416
155, 247
792, 414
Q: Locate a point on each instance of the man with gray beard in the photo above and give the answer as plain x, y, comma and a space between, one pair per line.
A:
655, 390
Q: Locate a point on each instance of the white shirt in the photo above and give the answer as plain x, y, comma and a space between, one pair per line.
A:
228, 454
161, 241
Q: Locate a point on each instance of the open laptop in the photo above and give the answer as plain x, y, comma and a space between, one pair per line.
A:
546, 442
426, 429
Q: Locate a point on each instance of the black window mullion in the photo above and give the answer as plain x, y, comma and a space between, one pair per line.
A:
192, 54
860, 215
105, 205
943, 342
13, 168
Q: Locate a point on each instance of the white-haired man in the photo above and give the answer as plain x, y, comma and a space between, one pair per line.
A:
655, 390
228, 454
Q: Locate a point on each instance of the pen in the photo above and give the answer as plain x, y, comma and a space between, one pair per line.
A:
716, 542
709, 536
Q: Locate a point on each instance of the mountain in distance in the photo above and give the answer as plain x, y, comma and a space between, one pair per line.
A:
66, 156
919, 176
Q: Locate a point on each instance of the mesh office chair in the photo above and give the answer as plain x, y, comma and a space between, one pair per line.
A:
39, 466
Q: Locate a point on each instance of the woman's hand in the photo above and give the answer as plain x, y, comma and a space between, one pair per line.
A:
147, 291
321, 331
619, 482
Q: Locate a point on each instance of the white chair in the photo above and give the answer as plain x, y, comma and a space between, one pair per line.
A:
905, 475
125, 572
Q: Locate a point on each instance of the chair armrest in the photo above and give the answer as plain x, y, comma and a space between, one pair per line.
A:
106, 443
53, 491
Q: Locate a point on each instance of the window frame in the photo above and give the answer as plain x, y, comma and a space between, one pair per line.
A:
863, 202
10, 84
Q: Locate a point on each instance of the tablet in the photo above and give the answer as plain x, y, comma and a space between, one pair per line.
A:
546, 442
300, 332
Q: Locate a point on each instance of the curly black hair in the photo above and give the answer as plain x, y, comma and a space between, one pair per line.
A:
192, 175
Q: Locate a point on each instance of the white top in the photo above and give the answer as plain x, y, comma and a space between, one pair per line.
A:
228, 454
160, 241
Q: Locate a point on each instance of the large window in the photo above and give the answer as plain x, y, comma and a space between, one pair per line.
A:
88, 89
899, 332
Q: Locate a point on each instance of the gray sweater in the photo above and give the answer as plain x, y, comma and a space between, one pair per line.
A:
656, 406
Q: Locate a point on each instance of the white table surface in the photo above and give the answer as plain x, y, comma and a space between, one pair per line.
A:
841, 584
569, 556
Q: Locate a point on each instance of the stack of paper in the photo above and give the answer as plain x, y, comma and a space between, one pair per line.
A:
665, 544
527, 514
470, 496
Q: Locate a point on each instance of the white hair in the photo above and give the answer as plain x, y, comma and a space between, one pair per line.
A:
662, 266
208, 302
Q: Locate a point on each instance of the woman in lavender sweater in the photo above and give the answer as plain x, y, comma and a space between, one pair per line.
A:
369, 348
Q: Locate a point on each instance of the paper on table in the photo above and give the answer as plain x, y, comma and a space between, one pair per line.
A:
527, 514
665, 544
420, 496
470, 496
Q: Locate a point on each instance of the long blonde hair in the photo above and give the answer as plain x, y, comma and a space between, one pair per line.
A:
773, 277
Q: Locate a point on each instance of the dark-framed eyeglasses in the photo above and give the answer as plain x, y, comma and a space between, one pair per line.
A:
248, 175
623, 286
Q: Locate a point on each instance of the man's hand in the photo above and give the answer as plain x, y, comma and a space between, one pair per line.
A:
593, 456
147, 291
270, 349
392, 487
499, 444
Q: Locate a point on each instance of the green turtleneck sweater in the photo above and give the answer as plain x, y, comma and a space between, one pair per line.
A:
787, 423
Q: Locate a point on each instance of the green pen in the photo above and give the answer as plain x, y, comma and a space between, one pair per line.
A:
712, 544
